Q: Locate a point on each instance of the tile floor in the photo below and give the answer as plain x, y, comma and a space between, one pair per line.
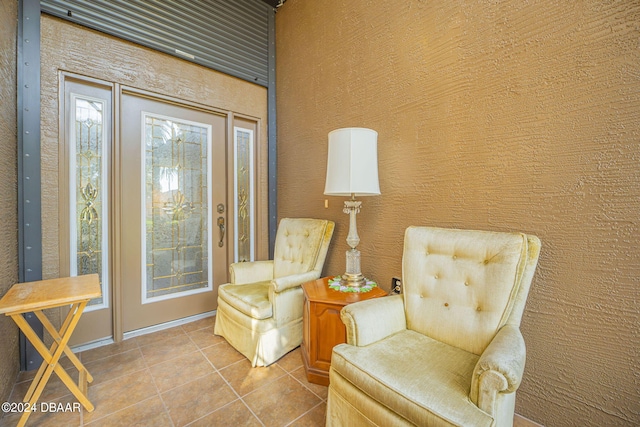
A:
183, 376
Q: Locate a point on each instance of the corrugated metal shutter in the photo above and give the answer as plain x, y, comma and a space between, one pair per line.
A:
231, 36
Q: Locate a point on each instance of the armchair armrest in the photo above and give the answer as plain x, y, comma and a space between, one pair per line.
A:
499, 369
372, 320
251, 272
286, 296
283, 283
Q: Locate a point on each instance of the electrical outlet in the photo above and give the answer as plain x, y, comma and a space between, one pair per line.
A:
396, 285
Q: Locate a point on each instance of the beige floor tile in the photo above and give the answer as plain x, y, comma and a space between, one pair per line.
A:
66, 363
165, 379
112, 396
150, 412
198, 398
111, 367
159, 336
291, 361
281, 401
26, 375
319, 390
176, 372
205, 337
316, 417
107, 350
54, 389
520, 421
199, 324
244, 379
167, 349
234, 414
222, 355
69, 415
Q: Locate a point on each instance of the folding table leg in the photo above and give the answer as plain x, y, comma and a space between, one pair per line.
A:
37, 386
56, 336
66, 331
51, 358
65, 325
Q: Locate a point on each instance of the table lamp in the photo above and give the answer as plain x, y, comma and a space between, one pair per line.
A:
352, 170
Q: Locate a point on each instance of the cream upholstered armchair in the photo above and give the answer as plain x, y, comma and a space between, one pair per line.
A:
260, 311
448, 351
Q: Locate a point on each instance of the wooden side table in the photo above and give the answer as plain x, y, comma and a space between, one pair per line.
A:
322, 327
39, 296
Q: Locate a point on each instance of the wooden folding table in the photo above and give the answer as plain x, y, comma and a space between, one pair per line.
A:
39, 296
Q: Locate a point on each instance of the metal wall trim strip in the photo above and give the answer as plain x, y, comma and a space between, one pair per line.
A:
272, 136
29, 181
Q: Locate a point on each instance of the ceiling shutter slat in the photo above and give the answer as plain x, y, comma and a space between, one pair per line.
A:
227, 36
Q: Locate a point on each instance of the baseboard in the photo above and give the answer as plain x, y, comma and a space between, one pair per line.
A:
91, 345
109, 340
168, 325
520, 421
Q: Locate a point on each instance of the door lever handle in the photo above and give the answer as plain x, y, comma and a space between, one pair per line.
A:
222, 230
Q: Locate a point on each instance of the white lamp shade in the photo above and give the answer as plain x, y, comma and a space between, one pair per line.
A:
352, 163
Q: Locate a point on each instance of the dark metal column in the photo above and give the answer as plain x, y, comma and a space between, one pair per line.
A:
271, 112
29, 187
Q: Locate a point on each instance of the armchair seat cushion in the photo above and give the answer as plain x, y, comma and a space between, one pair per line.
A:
251, 299
394, 372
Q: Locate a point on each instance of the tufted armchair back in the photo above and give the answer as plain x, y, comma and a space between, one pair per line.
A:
461, 286
301, 246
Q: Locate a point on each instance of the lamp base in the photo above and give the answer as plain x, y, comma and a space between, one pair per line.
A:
353, 276
353, 280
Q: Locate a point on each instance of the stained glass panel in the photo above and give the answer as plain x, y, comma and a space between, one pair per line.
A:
175, 219
244, 195
88, 195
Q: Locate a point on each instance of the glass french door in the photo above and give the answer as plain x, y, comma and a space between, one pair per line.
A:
157, 197
172, 210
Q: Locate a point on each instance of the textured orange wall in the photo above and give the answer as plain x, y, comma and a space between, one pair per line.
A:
510, 115
9, 362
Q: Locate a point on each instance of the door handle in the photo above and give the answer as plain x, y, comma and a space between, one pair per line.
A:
222, 230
